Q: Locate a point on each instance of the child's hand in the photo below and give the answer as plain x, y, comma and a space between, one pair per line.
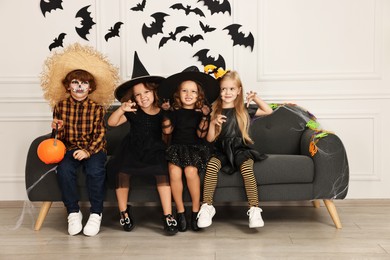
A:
165, 105
55, 122
206, 110
129, 106
80, 155
219, 120
249, 97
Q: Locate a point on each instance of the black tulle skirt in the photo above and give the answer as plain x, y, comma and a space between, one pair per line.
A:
189, 155
134, 157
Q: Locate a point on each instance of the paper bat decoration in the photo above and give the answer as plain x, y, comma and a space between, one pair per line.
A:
172, 35
216, 7
155, 27
191, 39
49, 6
206, 28
206, 60
86, 22
188, 9
57, 42
113, 31
239, 37
139, 6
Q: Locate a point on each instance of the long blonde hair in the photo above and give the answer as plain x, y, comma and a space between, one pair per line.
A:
240, 111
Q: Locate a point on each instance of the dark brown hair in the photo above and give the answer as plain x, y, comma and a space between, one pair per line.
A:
82, 75
199, 102
129, 95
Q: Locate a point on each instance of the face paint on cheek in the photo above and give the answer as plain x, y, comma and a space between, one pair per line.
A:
79, 89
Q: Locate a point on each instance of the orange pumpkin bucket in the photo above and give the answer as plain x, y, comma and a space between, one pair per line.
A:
51, 150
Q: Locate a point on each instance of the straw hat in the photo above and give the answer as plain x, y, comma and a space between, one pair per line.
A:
77, 56
140, 74
209, 84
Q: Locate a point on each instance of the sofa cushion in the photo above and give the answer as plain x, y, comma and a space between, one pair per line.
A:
276, 169
278, 133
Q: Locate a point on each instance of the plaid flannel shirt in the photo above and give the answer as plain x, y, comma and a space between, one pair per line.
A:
84, 127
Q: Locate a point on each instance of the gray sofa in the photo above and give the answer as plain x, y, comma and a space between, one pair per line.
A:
304, 164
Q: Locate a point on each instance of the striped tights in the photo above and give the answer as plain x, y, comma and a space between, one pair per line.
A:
211, 179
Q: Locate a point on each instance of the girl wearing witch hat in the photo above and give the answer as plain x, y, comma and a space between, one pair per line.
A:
143, 150
189, 91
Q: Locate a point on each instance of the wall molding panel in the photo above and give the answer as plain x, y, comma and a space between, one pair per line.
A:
22, 99
281, 98
372, 156
27, 117
273, 31
12, 179
19, 80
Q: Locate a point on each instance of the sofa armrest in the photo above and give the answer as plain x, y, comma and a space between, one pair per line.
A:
331, 166
39, 187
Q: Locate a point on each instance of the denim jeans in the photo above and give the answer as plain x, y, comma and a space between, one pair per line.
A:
94, 168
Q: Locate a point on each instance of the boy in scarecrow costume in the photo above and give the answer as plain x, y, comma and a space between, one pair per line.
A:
79, 83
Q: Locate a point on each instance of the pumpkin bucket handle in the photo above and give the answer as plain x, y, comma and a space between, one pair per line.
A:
54, 134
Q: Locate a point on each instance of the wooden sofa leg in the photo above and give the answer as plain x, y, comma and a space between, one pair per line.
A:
333, 212
316, 203
42, 214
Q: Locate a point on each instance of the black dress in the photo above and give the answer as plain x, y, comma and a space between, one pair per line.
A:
230, 148
142, 151
186, 148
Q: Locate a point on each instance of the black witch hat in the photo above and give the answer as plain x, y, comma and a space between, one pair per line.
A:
208, 83
140, 74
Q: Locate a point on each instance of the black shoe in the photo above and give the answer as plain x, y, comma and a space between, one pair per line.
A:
127, 222
194, 221
170, 224
181, 222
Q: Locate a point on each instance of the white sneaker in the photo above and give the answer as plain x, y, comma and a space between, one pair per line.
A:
255, 219
93, 225
74, 223
205, 215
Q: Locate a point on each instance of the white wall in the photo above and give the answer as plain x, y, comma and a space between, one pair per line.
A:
329, 56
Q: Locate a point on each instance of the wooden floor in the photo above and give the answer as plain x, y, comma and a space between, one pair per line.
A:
290, 232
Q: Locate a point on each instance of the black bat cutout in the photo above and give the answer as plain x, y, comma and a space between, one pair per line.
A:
113, 31
216, 7
191, 39
139, 6
57, 42
206, 60
239, 38
188, 9
49, 6
206, 28
172, 35
86, 22
155, 27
